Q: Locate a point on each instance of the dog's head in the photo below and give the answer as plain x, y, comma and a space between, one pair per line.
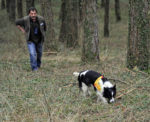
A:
110, 93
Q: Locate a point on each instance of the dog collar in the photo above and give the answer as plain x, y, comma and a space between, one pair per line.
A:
97, 83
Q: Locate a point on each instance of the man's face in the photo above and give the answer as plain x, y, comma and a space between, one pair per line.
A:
33, 15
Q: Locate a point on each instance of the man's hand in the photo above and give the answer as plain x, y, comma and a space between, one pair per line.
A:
20, 28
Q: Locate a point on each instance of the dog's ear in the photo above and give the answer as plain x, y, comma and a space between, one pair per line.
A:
104, 79
114, 87
106, 89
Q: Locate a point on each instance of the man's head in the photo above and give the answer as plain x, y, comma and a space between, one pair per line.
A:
32, 13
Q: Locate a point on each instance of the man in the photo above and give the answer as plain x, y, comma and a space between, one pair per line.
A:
34, 27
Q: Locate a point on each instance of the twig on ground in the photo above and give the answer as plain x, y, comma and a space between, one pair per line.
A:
118, 80
130, 70
125, 93
70, 84
136, 71
144, 88
50, 53
142, 72
123, 89
136, 86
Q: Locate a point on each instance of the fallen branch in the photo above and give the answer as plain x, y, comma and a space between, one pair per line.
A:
137, 71
118, 80
123, 89
70, 84
125, 93
144, 88
50, 53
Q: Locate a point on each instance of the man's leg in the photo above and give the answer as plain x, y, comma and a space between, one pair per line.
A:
33, 55
39, 49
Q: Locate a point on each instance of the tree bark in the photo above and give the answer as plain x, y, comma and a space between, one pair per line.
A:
12, 12
117, 10
138, 37
80, 11
19, 8
63, 17
69, 25
90, 45
102, 3
47, 13
106, 19
2, 4
7, 5
29, 3
72, 34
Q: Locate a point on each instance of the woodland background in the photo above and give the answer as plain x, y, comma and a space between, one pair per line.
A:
108, 36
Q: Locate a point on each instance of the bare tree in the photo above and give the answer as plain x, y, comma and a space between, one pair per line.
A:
139, 35
73, 26
90, 45
47, 13
106, 19
63, 16
69, 25
29, 3
117, 10
7, 5
19, 8
12, 12
2, 4
102, 3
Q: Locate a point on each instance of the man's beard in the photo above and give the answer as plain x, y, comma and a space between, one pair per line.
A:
33, 18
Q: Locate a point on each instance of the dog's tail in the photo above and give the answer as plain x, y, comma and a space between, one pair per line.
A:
76, 74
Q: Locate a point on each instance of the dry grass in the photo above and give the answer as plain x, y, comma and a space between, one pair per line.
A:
49, 95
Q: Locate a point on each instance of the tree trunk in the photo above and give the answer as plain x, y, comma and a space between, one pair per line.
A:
29, 3
69, 25
80, 23
90, 46
47, 13
106, 19
2, 4
72, 34
12, 12
117, 10
19, 8
138, 38
102, 3
7, 5
62, 35
80, 11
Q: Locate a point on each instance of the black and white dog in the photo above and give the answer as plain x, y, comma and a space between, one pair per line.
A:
104, 89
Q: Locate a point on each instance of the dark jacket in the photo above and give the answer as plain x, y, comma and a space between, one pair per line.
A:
25, 23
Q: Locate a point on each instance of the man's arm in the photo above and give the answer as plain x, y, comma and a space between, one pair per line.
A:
20, 24
21, 28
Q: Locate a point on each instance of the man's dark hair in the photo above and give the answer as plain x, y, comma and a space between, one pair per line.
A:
32, 9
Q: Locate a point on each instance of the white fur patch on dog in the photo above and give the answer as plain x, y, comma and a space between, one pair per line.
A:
100, 97
76, 74
108, 84
84, 89
83, 73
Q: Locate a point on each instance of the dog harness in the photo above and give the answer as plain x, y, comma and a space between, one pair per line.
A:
97, 83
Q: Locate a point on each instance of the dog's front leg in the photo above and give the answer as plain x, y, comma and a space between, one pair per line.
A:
104, 100
100, 97
85, 90
89, 93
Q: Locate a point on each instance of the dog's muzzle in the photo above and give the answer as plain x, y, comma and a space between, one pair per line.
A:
112, 100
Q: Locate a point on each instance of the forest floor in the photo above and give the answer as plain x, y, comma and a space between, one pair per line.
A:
52, 93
